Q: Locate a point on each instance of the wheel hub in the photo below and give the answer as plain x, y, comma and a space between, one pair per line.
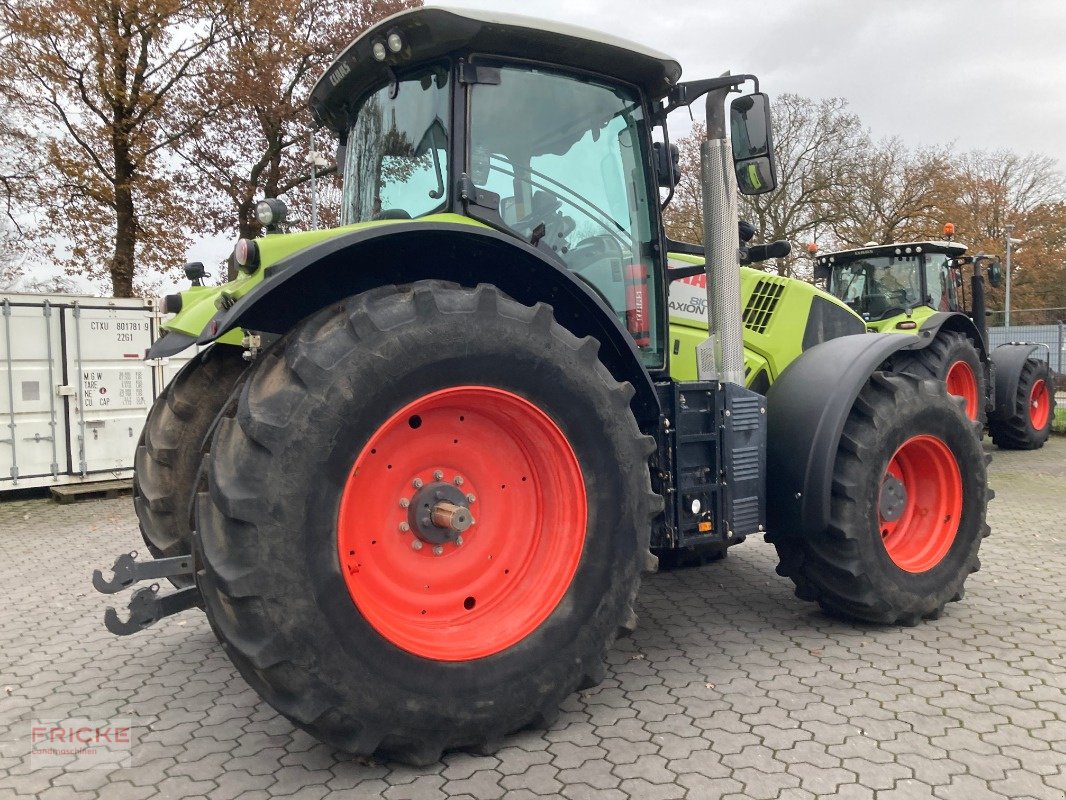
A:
893, 499
439, 512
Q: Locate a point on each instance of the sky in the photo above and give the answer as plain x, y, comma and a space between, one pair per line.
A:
984, 74
979, 74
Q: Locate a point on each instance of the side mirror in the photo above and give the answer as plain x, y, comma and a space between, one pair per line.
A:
667, 164
995, 275
753, 145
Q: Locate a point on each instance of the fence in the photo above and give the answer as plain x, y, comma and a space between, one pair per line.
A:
1054, 336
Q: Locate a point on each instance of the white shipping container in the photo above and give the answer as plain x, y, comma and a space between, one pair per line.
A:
74, 387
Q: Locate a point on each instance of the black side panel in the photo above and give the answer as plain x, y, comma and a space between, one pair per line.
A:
712, 453
808, 405
744, 461
828, 321
405, 252
1008, 361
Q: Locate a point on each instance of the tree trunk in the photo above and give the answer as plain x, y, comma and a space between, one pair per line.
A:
122, 261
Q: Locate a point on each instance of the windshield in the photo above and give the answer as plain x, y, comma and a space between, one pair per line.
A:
566, 155
879, 287
396, 157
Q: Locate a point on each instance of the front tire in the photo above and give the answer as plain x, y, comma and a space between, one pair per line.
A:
952, 358
1027, 425
323, 572
169, 451
907, 511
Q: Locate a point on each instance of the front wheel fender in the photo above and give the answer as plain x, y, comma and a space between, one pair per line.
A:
807, 407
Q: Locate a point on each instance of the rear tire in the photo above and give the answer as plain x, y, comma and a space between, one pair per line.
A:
907, 511
1027, 425
952, 358
312, 582
169, 451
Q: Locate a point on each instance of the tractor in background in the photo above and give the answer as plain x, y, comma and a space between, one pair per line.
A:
918, 287
418, 469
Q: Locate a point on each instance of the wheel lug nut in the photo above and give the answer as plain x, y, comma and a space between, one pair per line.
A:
437, 475
438, 550
458, 541
470, 498
404, 527
458, 480
404, 502
416, 544
417, 483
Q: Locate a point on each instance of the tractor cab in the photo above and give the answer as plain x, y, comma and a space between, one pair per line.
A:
883, 282
557, 155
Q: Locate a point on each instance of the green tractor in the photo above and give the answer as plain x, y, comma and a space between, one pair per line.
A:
918, 287
416, 474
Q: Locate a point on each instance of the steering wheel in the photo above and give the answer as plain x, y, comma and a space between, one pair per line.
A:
594, 248
544, 205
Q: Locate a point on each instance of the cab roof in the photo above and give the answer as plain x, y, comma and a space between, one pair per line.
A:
432, 32
953, 249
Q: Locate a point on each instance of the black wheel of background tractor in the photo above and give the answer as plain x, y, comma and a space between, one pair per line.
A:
1028, 424
426, 523
907, 512
169, 450
951, 357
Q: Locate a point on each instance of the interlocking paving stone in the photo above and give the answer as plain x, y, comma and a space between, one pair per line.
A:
730, 688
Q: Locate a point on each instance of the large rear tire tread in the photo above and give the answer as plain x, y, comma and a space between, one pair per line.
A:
1017, 432
168, 455
270, 577
846, 568
936, 359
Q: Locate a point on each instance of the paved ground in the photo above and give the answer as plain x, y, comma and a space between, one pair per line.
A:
731, 688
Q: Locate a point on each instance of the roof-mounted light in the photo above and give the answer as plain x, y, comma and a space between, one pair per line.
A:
394, 41
379, 50
271, 213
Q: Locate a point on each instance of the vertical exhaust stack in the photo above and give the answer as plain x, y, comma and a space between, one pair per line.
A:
721, 356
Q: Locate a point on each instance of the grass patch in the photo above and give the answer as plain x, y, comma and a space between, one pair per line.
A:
1058, 425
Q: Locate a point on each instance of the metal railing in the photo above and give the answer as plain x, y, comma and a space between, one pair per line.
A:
1053, 336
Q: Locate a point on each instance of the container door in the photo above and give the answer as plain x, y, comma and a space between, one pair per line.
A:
32, 437
111, 384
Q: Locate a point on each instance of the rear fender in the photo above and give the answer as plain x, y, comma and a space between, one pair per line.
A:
1007, 361
312, 278
954, 321
807, 407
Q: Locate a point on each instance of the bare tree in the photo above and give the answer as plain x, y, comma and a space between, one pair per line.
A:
260, 145
889, 195
100, 78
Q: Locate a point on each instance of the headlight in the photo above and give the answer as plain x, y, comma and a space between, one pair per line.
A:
246, 254
271, 212
394, 41
379, 51
168, 303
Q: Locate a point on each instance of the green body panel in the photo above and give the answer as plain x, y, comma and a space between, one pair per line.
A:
200, 303
771, 340
918, 315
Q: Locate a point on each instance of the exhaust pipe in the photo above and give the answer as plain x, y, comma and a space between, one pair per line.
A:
721, 356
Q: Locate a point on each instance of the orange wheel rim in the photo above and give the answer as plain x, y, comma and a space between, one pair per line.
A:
427, 586
961, 382
1039, 404
920, 505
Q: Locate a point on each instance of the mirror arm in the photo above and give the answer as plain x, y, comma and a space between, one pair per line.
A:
688, 92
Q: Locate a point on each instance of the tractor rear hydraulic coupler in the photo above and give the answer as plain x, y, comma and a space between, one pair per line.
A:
146, 606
